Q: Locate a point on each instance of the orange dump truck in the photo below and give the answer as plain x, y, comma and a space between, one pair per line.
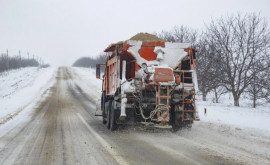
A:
150, 81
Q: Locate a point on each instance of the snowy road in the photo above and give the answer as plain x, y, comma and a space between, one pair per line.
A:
63, 130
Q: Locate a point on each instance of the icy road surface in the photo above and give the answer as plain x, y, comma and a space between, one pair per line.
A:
62, 129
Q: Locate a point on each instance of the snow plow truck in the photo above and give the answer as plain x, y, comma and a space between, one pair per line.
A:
148, 80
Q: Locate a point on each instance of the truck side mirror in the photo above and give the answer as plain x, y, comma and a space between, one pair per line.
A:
98, 71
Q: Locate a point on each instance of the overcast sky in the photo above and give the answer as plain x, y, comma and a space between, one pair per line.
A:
61, 31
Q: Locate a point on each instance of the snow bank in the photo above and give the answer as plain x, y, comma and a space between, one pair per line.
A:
18, 88
242, 117
88, 81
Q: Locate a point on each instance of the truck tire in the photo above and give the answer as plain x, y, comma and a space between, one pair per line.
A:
108, 110
103, 108
177, 124
113, 124
188, 124
104, 120
105, 113
103, 101
175, 119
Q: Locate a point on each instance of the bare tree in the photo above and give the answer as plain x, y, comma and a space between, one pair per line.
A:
209, 73
8, 62
240, 40
259, 88
166, 35
180, 34
266, 84
204, 68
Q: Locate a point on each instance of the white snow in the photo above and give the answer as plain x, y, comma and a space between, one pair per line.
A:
86, 79
19, 88
128, 86
173, 53
241, 117
134, 50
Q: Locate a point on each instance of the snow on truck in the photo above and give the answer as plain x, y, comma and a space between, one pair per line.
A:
148, 80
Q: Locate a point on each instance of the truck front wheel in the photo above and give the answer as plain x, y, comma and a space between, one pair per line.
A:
103, 108
108, 113
113, 124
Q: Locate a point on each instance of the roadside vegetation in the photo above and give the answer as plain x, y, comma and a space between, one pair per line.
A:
90, 62
9, 62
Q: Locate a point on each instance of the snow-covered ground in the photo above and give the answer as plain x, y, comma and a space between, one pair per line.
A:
241, 117
87, 75
21, 87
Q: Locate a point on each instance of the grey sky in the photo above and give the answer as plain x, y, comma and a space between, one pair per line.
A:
61, 31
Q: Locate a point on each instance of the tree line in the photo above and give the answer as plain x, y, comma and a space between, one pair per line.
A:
233, 56
90, 62
8, 62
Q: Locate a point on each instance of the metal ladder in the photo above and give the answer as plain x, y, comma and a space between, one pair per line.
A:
163, 93
184, 94
159, 97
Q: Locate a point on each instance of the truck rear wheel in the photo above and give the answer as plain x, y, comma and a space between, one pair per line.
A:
176, 119
177, 123
113, 124
104, 120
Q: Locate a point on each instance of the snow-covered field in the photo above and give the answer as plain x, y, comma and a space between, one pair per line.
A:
21, 87
240, 117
